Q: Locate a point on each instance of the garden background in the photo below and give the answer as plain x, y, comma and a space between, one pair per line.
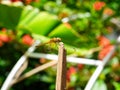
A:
87, 27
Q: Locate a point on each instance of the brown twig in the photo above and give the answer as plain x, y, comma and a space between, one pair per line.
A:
24, 66
34, 71
61, 69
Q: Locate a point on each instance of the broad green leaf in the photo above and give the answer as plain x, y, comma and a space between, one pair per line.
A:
40, 37
9, 16
43, 23
26, 10
66, 33
27, 19
99, 85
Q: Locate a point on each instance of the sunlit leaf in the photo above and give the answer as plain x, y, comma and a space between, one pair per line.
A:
43, 23
117, 85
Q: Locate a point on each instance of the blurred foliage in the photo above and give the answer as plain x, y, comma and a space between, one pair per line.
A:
83, 25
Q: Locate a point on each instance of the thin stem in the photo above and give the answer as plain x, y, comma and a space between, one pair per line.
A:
34, 71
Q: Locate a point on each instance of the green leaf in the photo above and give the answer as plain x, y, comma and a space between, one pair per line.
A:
117, 85
27, 19
43, 23
26, 10
99, 85
9, 16
67, 34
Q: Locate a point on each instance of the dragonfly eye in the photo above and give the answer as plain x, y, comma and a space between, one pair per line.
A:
58, 39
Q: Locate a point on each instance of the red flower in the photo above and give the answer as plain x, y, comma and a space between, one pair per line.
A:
103, 41
4, 30
4, 38
1, 43
27, 39
105, 51
98, 5
80, 66
106, 47
70, 71
28, 1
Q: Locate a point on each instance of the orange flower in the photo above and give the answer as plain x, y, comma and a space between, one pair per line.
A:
28, 1
4, 30
108, 11
103, 41
105, 51
106, 47
42, 60
67, 25
4, 38
27, 39
98, 5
